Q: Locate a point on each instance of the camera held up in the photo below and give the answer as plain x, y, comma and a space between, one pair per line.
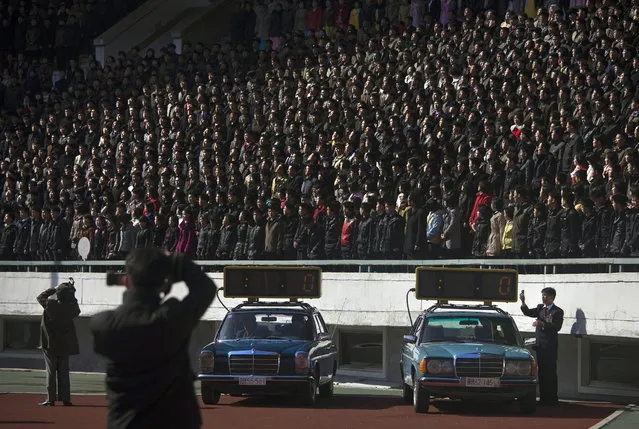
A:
115, 279
165, 264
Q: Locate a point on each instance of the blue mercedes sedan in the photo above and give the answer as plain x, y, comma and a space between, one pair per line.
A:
467, 352
269, 348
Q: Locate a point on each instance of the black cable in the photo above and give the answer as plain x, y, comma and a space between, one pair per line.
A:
407, 307
218, 298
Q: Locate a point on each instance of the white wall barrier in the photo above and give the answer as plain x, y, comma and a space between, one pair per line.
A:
594, 304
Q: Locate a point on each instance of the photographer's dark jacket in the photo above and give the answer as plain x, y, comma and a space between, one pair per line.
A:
149, 377
57, 330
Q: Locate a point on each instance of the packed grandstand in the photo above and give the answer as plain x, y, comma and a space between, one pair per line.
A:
353, 130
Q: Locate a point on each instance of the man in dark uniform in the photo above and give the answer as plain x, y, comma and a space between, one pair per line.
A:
145, 341
548, 324
58, 340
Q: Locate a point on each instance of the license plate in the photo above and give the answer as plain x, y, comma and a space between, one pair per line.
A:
253, 381
482, 382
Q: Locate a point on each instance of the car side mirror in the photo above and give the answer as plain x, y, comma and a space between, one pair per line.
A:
530, 342
410, 339
323, 337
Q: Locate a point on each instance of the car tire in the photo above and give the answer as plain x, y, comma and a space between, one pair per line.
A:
326, 390
209, 395
421, 400
310, 396
528, 404
407, 394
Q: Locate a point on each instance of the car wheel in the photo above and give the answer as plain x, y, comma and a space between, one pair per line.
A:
528, 404
310, 396
326, 390
407, 394
209, 395
421, 401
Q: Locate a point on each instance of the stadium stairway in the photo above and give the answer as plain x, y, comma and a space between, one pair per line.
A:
157, 23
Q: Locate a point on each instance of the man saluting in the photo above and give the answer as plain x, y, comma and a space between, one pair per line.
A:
549, 319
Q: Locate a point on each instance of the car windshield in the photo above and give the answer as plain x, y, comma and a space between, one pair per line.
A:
470, 329
266, 326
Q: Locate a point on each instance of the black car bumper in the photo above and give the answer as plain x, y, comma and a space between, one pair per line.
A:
273, 385
455, 388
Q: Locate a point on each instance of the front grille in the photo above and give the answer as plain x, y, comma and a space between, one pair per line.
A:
254, 363
479, 365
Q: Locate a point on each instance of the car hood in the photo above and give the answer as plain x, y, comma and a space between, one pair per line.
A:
277, 346
450, 350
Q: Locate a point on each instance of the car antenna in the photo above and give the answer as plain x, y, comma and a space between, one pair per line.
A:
408, 307
338, 317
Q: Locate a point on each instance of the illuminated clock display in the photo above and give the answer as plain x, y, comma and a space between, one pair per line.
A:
466, 284
272, 282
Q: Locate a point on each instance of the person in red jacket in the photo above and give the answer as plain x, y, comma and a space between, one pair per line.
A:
349, 231
314, 17
342, 14
187, 242
484, 196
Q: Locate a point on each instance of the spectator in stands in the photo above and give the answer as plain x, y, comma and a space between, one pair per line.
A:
204, 237
8, 238
391, 232
144, 234
618, 231
507, 234
482, 231
274, 232
521, 222
589, 232
415, 235
434, 228
332, 231
570, 222
537, 232
552, 240
497, 224
451, 234
228, 238
255, 236
483, 197
187, 238
23, 226
100, 239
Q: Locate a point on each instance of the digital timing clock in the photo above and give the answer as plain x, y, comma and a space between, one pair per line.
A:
466, 284
272, 282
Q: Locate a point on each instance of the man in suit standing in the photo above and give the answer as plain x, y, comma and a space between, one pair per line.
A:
549, 319
58, 340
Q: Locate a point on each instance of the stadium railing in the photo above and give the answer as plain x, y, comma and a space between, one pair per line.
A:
525, 266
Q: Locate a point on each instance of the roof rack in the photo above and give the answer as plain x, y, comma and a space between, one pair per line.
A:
477, 307
303, 305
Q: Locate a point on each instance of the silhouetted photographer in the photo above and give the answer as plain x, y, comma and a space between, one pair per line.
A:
145, 341
58, 340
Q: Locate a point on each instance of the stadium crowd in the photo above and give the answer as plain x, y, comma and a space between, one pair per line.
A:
370, 129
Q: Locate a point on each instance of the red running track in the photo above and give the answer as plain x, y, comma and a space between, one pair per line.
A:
21, 411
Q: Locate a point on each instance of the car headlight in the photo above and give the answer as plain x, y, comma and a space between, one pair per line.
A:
301, 362
207, 362
439, 366
518, 367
